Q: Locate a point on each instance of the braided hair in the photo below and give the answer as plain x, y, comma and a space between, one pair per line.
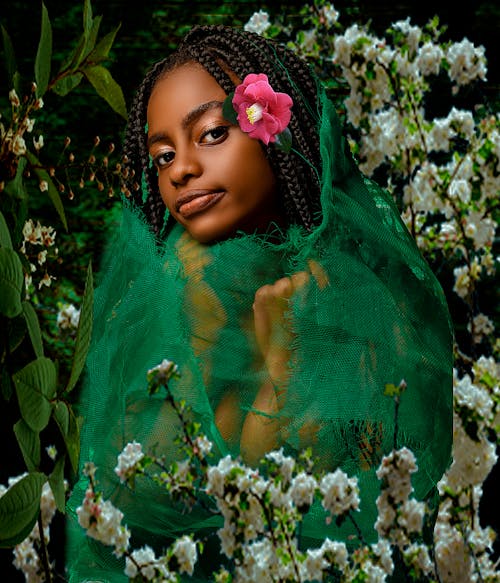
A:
220, 48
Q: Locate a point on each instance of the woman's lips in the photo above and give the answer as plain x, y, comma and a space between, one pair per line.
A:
195, 202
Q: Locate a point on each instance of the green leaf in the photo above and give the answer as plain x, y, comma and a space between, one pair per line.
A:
67, 83
284, 140
91, 37
33, 328
56, 481
29, 443
35, 387
103, 47
19, 508
42, 174
11, 282
107, 88
9, 58
84, 332
228, 111
5, 240
44, 54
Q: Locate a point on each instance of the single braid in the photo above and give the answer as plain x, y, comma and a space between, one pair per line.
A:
220, 50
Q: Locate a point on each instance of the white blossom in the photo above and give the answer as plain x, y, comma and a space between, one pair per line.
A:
146, 559
259, 22
467, 62
13, 98
163, 372
38, 143
185, 552
302, 488
102, 522
331, 15
68, 317
18, 145
340, 493
129, 461
429, 57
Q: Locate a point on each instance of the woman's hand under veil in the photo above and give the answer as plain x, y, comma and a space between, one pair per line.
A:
274, 336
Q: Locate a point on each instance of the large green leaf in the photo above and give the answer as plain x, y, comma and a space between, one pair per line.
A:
42, 174
19, 508
35, 387
11, 282
29, 443
5, 240
84, 332
107, 88
9, 58
33, 328
44, 54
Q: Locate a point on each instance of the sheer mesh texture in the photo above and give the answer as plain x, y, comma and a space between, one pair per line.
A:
374, 315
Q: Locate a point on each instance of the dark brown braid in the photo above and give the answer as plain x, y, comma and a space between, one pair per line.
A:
220, 49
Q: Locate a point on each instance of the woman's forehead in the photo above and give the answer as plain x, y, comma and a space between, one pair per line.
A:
183, 89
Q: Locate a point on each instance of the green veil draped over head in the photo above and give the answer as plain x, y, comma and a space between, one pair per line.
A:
373, 313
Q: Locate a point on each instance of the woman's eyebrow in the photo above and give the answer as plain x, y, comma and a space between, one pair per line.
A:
188, 119
198, 111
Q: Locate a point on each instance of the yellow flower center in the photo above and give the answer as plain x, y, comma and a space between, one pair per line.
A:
254, 113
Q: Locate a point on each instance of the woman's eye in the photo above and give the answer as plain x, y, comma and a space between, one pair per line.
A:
163, 159
215, 135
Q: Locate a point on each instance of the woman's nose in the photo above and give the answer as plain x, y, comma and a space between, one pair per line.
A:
185, 165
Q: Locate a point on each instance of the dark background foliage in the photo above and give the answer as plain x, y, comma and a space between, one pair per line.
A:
150, 29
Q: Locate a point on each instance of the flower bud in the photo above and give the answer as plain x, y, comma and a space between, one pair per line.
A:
13, 98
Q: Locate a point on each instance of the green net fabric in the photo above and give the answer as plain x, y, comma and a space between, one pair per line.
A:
374, 315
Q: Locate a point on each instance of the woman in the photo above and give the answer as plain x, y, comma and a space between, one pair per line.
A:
280, 280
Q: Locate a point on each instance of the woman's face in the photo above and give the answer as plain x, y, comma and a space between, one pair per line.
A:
214, 179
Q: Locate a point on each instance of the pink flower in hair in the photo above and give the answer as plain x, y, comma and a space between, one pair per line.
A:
262, 112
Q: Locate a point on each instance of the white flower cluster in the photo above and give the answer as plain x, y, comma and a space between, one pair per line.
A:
258, 22
13, 138
129, 461
448, 206
68, 317
37, 235
102, 522
144, 562
458, 528
398, 514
